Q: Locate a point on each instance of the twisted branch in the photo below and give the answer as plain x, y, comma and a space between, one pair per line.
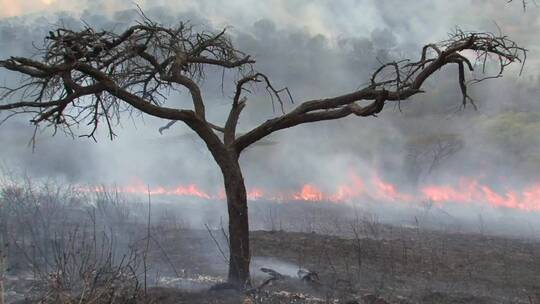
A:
405, 80
86, 75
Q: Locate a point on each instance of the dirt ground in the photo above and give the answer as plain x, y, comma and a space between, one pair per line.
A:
371, 264
400, 265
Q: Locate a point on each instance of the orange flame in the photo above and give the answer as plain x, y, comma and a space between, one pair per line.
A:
189, 190
467, 191
309, 193
471, 191
389, 192
255, 194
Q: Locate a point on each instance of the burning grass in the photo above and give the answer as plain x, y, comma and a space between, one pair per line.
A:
67, 246
466, 191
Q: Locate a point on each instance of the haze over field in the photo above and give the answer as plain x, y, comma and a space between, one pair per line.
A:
430, 149
267, 152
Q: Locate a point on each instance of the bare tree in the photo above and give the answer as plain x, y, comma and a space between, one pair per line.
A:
427, 152
92, 77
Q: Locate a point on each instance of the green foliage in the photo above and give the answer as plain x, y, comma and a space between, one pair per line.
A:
515, 132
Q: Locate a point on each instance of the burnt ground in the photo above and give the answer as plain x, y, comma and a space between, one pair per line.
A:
399, 265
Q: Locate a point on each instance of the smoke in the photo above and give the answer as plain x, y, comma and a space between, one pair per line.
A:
317, 50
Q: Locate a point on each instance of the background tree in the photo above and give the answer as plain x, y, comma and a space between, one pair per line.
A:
93, 76
425, 153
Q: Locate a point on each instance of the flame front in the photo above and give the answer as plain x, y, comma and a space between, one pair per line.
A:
309, 193
465, 191
471, 191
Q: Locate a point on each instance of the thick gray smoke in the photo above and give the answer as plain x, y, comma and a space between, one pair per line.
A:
316, 50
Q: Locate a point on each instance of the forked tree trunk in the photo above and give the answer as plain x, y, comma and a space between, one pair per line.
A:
239, 252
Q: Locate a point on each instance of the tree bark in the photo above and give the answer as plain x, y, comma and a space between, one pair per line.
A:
226, 156
239, 251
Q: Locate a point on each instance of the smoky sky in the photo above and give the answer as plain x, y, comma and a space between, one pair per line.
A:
316, 49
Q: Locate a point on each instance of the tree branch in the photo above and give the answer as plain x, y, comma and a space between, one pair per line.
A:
406, 81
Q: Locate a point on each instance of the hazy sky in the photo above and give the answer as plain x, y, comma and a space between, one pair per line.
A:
317, 49
347, 18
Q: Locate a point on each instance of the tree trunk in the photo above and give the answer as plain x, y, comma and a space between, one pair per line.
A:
239, 252
226, 156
